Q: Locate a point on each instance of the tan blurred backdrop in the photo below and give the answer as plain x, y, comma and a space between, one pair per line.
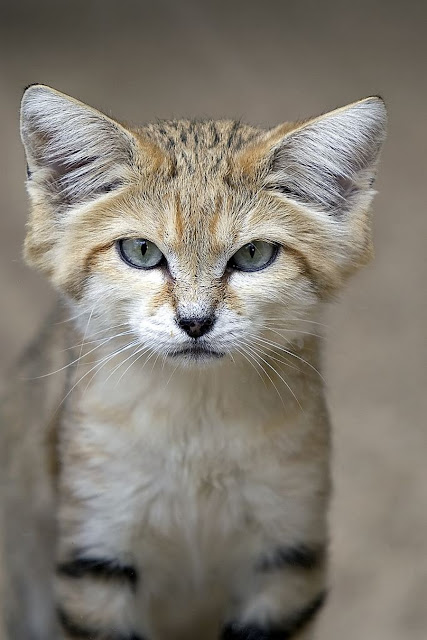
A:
268, 62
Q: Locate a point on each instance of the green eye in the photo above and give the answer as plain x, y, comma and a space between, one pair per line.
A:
254, 256
140, 253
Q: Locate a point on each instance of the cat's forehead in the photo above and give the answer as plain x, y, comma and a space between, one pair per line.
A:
199, 220
196, 204
201, 146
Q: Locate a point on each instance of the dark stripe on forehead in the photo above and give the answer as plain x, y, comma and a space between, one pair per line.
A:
215, 135
232, 134
179, 218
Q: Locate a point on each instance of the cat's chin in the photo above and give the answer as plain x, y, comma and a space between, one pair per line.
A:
196, 355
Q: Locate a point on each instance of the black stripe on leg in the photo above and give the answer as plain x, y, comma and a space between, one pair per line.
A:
75, 630
103, 568
298, 557
284, 630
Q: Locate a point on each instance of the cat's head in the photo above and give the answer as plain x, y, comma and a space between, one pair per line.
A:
198, 237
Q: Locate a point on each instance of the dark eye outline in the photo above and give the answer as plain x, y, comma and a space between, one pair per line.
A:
122, 255
235, 267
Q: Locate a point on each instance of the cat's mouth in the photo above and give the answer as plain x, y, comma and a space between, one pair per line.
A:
197, 353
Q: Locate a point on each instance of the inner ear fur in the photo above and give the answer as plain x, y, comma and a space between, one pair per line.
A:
74, 152
324, 163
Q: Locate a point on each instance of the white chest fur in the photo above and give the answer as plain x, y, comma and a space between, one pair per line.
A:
192, 480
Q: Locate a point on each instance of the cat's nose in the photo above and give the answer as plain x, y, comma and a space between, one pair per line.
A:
196, 327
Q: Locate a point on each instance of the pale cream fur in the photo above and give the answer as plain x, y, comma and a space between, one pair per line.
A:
191, 469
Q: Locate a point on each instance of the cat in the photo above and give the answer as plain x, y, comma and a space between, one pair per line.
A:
167, 450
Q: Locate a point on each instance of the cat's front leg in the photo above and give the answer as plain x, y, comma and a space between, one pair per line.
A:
296, 626
95, 596
288, 591
98, 576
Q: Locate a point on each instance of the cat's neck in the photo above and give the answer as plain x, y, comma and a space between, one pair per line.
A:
242, 385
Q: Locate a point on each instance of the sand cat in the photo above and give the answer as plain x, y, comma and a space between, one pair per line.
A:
167, 447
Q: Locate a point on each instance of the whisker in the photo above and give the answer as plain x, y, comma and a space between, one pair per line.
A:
139, 351
71, 319
116, 335
134, 343
256, 358
45, 375
86, 330
281, 348
239, 350
307, 333
107, 359
292, 319
98, 364
278, 329
140, 356
114, 326
280, 376
154, 363
170, 377
282, 360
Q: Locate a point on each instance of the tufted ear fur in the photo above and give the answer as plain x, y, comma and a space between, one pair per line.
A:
329, 162
74, 153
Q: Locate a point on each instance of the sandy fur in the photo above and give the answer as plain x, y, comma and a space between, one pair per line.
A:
191, 471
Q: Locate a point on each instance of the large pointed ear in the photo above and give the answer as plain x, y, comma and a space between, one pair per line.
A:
329, 162
74, 153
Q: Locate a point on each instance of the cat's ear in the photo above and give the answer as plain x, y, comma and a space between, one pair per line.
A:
329, 162
74, 152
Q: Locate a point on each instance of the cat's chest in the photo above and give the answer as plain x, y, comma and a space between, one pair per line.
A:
192, 494
185, 456
178, 471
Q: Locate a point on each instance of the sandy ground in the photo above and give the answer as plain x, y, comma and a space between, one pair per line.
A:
269, 62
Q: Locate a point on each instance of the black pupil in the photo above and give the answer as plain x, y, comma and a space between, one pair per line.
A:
143, 247
252, 249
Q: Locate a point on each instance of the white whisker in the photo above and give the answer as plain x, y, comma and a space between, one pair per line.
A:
256, 357
294, 355
117, 335
141, 350
45, 375
109, 357
99, 364
281, 377
86, 330
271, 350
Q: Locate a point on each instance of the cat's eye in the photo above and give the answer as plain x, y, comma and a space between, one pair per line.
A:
140, 253
254, 256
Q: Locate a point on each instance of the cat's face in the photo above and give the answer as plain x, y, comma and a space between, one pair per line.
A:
197, 240
198, 279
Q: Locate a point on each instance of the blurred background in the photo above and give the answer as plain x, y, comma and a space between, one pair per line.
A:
268, 62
